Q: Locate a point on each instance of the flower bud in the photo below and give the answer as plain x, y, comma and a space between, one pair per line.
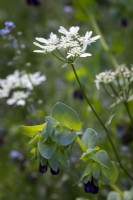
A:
90, 187
43, 168
54, 172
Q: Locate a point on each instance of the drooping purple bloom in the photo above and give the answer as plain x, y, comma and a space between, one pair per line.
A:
43, 168
54, 172
90, 187
78, 95
33, 2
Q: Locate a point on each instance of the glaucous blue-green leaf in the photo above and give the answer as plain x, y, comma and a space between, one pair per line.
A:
67, 137
31, 130
111, 173
114, 196
96, 170
55, 135
54, 162
43, 161
44, 133
90, 138
46, 149
63, 157
87, 154
102, 158
88, 170
66, 116
51, 124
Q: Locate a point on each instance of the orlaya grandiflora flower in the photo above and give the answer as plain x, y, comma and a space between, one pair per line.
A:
70, 43
48, 45
73, 31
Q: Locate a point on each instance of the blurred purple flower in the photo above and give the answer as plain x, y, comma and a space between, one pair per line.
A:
54, 172
33, 2
90, 187
9, 25
14, 154
43, 168
4, 31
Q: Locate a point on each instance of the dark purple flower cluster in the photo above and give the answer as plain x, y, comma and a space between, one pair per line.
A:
9, 26
33, 2
78, 95
91, 187
43, 169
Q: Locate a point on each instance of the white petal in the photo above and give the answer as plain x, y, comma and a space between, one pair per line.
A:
39, 51
74, 29
11, 101
63, 30
20, 102
84, 46
39, 45
53, 36
43, 40
93, 39
85, 55
88, 34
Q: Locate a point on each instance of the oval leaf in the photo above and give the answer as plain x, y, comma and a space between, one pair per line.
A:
102, 158
67, 137
32, 130
90, 138
46, 149
53, 162
66, 116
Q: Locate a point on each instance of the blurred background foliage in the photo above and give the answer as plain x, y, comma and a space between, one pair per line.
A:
19, 177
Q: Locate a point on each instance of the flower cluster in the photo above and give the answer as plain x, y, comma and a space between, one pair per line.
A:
69, 46
18, 86
9, 26
122, 73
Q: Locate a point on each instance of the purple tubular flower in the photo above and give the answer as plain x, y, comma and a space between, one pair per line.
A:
54, 172
33, 2
43, 168
78, 95
90, 187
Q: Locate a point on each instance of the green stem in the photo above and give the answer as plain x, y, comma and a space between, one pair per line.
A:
81, 144
125, 103
59, 58
114, 187
128, 111
101, 122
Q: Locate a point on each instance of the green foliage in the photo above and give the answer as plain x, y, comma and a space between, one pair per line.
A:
90, 138
66, 116
31, 131
46, 149
67, 137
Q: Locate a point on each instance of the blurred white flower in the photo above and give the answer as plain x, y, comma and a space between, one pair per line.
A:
69, 46
18, 98
18, 81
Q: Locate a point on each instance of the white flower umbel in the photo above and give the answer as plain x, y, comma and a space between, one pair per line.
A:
105, 78
18, 81
69, 46
18, 98
119, 82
